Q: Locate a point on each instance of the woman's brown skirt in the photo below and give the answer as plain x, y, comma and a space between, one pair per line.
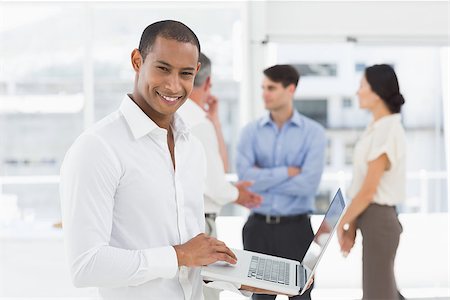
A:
381, 231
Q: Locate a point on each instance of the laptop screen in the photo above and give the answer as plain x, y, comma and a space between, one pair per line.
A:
325, 231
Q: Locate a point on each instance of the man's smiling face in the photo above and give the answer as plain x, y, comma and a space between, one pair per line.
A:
166, 78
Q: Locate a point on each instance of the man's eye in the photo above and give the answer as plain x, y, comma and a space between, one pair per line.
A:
187, 74
163, 68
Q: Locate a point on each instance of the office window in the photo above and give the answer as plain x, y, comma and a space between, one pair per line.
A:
41, 100
347, 103
328, 151
315, 109
316, 70
360, 67
68, 65
349, 149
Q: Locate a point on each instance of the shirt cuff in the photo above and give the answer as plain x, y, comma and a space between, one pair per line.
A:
234, 193
162, 261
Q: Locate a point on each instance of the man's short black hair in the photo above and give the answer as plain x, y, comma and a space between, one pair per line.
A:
286, 74
168, 29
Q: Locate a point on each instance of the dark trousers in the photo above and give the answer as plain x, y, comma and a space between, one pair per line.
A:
289, 239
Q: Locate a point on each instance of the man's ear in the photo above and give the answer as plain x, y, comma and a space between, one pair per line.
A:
207, 83
292, 88
136, 60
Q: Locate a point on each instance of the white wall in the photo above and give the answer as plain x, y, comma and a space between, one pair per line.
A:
419, 23
369, 20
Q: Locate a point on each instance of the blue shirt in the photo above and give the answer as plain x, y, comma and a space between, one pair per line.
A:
264, 154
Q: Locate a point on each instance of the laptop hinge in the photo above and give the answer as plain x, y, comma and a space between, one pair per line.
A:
297, 277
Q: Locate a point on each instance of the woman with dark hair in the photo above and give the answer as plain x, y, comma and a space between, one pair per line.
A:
378, 184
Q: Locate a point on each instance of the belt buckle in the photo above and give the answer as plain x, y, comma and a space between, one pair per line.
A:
211, 216
273, 219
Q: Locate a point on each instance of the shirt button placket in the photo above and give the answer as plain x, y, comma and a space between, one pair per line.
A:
183, 276
278, 150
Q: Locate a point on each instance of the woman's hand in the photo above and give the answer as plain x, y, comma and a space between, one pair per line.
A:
346, 238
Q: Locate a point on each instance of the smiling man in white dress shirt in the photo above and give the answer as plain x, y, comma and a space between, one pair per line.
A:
132, 185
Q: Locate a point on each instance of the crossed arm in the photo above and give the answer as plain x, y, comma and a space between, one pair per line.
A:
285, 180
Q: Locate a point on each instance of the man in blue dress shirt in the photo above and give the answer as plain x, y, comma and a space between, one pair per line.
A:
283, 154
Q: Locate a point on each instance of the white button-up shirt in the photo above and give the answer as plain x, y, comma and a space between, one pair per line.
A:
385, 136
124, 207
218, 191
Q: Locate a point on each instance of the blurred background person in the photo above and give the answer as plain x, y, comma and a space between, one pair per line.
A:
379, 176
283, 153
201, 114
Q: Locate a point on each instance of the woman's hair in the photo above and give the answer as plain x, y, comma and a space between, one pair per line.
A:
384, 83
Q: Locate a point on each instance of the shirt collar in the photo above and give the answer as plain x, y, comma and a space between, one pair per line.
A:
180, 127
296, 119
388, 118
266, 119
140, 124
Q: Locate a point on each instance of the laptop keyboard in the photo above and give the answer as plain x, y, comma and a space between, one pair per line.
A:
269, 270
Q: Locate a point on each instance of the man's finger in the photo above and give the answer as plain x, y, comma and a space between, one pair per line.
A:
257, 200
225, 250
219, 243
225, 257
230, 253
255, 204
245, 183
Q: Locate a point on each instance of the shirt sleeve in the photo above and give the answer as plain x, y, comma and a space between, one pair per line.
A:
90, 175
307, 182
263, 178
217, 188
385, 141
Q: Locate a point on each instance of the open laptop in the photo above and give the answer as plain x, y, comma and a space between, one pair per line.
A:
278, 274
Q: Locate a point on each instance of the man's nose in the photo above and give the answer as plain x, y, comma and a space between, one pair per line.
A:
173, 83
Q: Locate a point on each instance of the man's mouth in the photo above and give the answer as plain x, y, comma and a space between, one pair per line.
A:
170, 99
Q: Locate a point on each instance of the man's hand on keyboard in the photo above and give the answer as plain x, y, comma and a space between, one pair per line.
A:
203, 250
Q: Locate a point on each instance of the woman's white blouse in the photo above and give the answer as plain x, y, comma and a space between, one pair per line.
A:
384, 136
